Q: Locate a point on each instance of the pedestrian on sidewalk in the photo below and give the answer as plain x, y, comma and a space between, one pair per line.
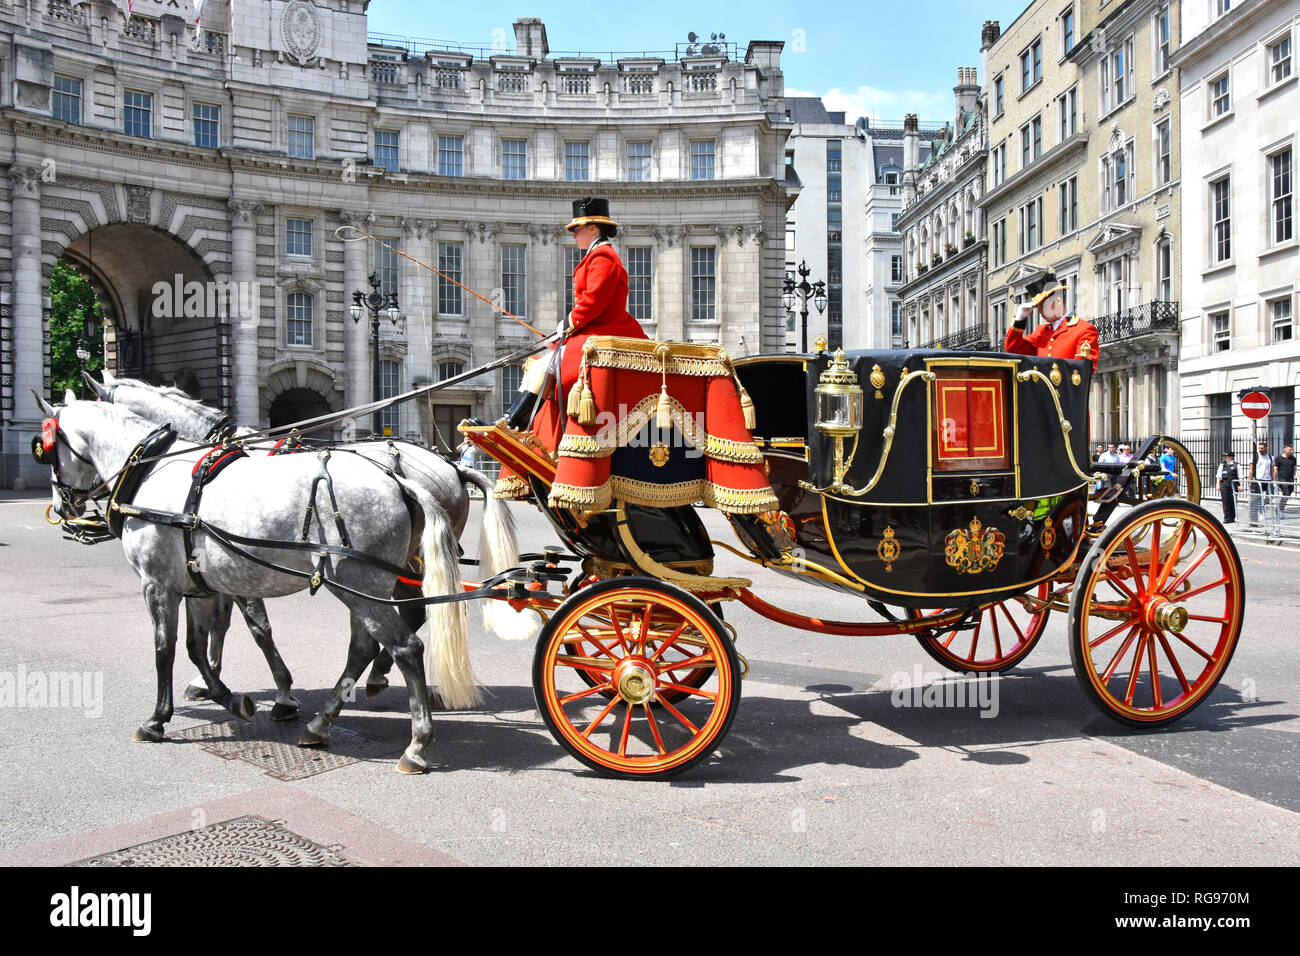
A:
1284, 475
1261, 481
1226, 478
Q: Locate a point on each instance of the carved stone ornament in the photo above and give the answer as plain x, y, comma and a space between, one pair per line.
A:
300, 29
1161, 101
137, 203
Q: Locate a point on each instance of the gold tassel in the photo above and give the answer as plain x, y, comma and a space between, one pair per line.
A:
747, 407
575, 398
664, 411
587, 408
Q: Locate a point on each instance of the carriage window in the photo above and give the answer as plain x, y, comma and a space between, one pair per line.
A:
970, 420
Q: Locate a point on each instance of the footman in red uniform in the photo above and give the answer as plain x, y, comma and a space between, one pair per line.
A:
1062, 334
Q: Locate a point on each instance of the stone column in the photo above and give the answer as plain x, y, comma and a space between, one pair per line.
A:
415, 298
27, 309
356, 337
243, 328
1129, 399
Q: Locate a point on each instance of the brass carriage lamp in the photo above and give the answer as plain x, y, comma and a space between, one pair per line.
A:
839, 409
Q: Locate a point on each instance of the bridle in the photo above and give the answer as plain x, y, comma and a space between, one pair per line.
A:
86, 528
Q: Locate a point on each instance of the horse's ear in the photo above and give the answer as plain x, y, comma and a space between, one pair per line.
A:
46, 407
103, 394
69, 396
109, 378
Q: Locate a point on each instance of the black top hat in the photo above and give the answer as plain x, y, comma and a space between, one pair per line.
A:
1229, 454
1047, 280
590, 210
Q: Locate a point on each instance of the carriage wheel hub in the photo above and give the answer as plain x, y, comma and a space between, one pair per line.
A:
1170, 617
635, 680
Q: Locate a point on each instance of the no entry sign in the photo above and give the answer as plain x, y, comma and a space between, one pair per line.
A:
1255, 405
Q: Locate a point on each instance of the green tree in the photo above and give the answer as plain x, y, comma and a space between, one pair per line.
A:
71, 297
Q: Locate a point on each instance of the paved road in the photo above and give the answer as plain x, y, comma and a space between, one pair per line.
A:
819, 766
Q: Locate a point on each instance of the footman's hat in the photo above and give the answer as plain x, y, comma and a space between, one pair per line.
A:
590, 210
1043, 288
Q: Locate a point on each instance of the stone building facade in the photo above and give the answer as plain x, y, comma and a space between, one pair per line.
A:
1084, 180
944, 300
164, 158
1240, 260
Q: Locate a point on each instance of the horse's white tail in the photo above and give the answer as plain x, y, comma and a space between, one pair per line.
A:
498, 549
447, 652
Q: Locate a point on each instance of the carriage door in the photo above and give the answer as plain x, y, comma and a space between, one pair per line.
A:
973, 482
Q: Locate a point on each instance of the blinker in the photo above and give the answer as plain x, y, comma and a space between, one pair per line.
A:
49, 434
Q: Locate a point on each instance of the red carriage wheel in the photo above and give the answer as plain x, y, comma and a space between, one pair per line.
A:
604, 678
1156, 612
1000, 636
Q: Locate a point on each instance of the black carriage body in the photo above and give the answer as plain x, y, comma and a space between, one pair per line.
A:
976, 497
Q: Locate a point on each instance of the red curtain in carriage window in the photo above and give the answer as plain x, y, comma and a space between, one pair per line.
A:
970, 421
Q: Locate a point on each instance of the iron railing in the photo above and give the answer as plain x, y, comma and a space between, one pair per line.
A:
972, 339
1154, 316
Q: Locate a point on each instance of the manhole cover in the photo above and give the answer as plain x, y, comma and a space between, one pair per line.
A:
243, 841
272, 746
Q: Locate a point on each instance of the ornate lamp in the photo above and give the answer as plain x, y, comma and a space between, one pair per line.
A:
839, 409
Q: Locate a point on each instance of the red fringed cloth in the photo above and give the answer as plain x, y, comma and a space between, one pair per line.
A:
658, 424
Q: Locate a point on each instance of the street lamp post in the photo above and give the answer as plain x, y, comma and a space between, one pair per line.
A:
803, 290
375, 302
88, 331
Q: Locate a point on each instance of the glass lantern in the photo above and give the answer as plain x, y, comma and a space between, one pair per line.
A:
839, 399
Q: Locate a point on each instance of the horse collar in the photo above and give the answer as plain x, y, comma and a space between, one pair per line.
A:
138, 467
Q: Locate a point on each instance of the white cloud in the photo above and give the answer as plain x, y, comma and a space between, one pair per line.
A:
873, 102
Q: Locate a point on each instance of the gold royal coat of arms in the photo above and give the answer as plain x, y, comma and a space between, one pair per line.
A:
974, 549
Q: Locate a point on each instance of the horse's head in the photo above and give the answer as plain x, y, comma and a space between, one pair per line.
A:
63, 445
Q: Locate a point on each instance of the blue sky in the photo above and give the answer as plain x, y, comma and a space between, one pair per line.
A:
868, 58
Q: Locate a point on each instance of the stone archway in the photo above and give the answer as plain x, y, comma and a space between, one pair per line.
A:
296, 405
164, 312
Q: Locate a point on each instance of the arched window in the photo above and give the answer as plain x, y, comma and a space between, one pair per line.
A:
449, 369
298, 319
970, 215
390, 384
953, 219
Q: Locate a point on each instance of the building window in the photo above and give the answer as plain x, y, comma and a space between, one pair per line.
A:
386, 260
514, 279
299, 321
1067, 30
1031, 65
1220, 100
639, 283
1279, 60
65, 99
449, 369
834, 188
1116, 77
1280, 195
999, 163
1164, 151
512, 379
1162, 42
386, 145
832, 155
1221, 331
999, 96
1279, 316
999, 321
514, 159
302, 137
137, 113
638, 160
390, 385
998, 247
575, 162
896, 268
1069, 205
1164, 270
1221, 7
1221, 219
207, 126
702, 158
1067, 114
834, 224
893, 222
1031, 226
1117, 178
449, 264
451, 156
297, 233
572, 256
703, 280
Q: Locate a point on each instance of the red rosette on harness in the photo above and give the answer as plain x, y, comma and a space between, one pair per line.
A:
49, 434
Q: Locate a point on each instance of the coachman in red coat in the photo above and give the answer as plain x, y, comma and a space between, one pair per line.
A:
1060, 335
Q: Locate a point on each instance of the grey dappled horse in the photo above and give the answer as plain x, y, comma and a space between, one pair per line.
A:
445, 481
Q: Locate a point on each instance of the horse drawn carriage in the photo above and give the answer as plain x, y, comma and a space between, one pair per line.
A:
948, 491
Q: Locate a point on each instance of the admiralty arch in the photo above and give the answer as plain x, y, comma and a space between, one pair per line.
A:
197, 173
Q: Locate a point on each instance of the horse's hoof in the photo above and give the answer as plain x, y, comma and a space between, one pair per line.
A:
196, 692
407, 765
242, 706
147, 735
376, 687
284, 711
310, 738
